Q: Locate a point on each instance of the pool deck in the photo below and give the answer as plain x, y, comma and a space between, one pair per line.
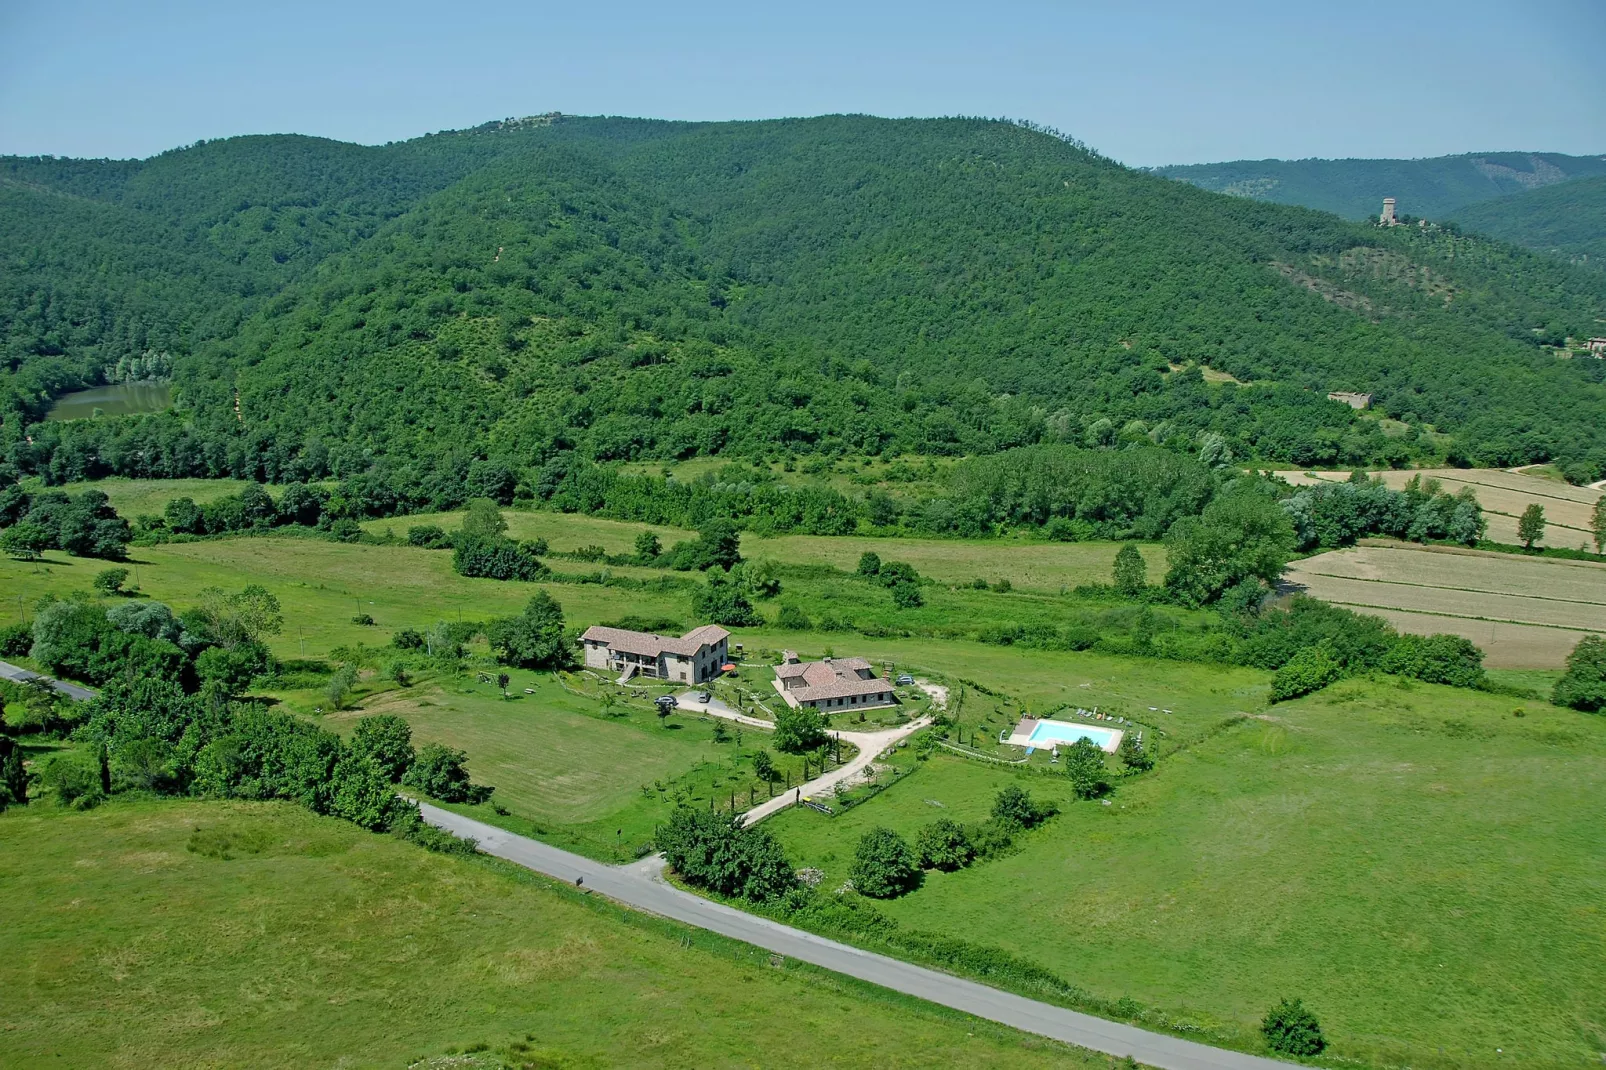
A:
1022, 736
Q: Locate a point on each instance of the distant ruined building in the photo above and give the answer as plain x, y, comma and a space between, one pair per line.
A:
1354, 401
1387, 218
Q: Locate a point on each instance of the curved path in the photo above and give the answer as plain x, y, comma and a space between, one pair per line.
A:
639, 886
870, 745
17, 674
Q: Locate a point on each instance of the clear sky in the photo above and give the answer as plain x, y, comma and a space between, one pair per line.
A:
1144, 82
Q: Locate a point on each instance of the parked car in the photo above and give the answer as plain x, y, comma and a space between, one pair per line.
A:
905, 679
705, 696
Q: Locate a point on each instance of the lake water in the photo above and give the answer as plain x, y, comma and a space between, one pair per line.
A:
113, 400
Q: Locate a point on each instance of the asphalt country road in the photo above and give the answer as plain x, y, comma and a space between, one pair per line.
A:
639, 886
17, 674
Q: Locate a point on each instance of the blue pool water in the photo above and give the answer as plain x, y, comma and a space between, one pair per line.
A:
1048, 733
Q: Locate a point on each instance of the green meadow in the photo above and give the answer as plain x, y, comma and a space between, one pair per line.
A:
1418, 863
202, 934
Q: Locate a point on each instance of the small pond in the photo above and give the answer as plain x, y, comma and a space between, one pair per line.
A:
113, 400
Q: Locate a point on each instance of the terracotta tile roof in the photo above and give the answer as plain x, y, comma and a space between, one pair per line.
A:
649, 645
832, 678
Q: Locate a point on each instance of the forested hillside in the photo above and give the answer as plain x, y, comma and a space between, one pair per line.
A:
609, 289
1567, 220
1434, 188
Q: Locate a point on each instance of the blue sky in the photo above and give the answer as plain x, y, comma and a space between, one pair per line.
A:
1145, 83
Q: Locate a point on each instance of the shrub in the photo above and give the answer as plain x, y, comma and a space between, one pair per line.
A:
869, 563
111, 580
15, 639
799, 730
907, 596
712, 850
534, 639
495, 558
793, 619
231, 670
1014, 808
1131, 573
943, 845
763, 765
1084, 765
1290, 1029
1312, 669
75, 778
1436, 659
723, 602
883, 866
429, 537
407, 639
340, 685
1583, 685
387, 741
363, 794
438, 771
1134, 756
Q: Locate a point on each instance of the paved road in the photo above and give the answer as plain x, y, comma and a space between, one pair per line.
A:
20, 675
637, 886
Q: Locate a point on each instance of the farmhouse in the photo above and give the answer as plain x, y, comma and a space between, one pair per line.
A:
831, 684
697, 656
1353, 400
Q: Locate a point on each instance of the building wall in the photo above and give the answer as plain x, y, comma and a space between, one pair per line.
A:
596, 656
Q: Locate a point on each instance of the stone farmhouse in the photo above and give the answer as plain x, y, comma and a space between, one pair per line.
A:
832, 684
694, 658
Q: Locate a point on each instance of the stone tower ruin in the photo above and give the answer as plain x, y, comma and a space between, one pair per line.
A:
1387, 218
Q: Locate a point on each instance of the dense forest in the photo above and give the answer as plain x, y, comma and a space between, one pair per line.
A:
536, 296
1566, 221
1435, 188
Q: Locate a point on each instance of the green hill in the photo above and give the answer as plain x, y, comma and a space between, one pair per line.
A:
1429, 189
616, 289
1566, 220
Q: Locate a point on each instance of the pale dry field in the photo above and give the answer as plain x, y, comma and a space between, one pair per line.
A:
1524, 612
1503, 495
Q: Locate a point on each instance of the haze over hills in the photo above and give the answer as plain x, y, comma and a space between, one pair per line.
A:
639, 289
1436, 188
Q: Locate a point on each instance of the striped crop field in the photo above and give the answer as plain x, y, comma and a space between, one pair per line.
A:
1524, 612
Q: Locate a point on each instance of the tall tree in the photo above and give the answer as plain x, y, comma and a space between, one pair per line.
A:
1531, 525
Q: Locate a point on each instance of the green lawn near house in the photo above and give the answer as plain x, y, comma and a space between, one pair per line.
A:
194, 934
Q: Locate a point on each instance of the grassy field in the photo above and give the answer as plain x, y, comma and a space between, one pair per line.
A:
1503, 495
189, 934
567, 770
1524, 612
137, 497
1410, 860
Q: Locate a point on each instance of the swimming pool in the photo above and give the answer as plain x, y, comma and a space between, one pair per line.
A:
1049, 733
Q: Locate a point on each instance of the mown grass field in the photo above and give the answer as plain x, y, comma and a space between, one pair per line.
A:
141, 497
193, 934
1524, 612
1413, 861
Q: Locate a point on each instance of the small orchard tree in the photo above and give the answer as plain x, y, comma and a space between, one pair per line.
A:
883, 865
1597, 524
1531, 525
340, 685
1131, 574
1290, 1029
763, 765
483, 520
648, 546
1015, 809
111, 580
799, 730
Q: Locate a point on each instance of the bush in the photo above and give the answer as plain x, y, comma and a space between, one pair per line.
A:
1084, 765
438, 772
723, 602
1014, 808
1583, 685
869, 563
407, 639
363, 794
15, 640
1436, 659
1134, 756
534, 639
75, 778
1290, 1029
944, 845
883, 866
799, 730
495, 558
907, 596
429, 537
1312, 669
387, 741
1131, 573
713, 850
340, 685
111, 581
793, 619
231, 670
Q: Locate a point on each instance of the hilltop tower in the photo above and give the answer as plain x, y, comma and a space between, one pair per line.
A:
1387, 218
